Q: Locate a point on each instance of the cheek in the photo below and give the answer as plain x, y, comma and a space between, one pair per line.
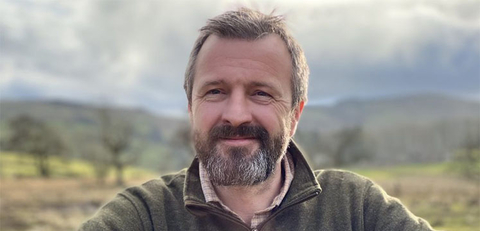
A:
205, 116
272, 118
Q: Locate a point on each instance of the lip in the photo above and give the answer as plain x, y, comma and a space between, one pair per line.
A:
238, 141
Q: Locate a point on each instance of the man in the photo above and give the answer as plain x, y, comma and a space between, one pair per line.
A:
246, 85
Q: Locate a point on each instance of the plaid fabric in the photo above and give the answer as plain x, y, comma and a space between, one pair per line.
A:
260, 216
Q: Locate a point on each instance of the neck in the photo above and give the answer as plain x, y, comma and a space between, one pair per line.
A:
246, 200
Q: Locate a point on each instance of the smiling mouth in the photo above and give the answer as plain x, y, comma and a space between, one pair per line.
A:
238, 140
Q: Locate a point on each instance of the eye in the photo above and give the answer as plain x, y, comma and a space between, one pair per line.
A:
262, 93
214, 92
214, 95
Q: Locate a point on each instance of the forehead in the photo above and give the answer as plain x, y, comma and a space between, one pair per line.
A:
265, 56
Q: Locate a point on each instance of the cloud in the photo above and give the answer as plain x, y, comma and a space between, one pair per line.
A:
134, 53
375, 48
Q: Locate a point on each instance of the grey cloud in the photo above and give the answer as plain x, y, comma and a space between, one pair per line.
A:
135, 53
391, 48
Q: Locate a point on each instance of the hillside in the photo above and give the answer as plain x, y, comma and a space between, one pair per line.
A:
408, 129
80, 116
416, 128
78, 125
384, 112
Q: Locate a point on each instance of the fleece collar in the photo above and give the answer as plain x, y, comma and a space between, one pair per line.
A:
303, 184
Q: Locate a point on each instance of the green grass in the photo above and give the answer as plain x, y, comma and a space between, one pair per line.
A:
430, 191
19, 165
385, 173
435, 192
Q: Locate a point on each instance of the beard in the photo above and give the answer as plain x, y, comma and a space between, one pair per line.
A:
239, 166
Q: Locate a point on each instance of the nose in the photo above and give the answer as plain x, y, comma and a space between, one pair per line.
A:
237, 110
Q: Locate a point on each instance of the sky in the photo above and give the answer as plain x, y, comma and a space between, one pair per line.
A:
134, 53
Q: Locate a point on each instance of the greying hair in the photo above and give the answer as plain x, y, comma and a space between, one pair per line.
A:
251, 25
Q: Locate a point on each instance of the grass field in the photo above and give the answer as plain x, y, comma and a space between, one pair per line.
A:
72, 194
432, 192
14, 166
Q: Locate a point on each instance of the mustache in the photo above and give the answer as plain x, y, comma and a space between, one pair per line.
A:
229, 131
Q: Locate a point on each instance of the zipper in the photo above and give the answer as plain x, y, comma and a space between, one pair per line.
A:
298, 201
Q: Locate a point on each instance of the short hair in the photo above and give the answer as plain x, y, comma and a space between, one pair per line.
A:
251, 25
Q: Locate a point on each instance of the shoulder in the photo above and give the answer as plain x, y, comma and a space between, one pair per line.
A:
338, 173
169, 185
337, 177
379, 211
132, 208
342, 183
172, 180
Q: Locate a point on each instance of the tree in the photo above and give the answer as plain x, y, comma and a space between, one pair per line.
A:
348, 146
467, 159
34, 137
95, 154
116, 137
335, 149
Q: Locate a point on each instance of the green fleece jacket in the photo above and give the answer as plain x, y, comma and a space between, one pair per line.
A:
316, 200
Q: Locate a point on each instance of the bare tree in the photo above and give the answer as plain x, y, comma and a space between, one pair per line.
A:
34, 137
117, 138
347, 146
98, 158
467, 159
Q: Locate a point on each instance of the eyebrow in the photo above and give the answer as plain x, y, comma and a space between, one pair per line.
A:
273, 87
261, 84
212, 83
253, 83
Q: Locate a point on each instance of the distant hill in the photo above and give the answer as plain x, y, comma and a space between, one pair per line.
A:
415, 128
408, 129
78, 125
74, 116
384, 112
369, 112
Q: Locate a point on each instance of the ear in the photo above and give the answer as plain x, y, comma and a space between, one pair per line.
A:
296, 117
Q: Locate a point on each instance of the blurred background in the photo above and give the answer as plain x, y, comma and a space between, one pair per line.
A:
91, 100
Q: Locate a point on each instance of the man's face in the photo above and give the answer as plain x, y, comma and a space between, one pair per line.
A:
241, 111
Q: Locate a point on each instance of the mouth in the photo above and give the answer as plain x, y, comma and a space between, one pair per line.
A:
238, 140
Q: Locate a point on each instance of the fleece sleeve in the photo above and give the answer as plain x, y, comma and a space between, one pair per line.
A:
383, 212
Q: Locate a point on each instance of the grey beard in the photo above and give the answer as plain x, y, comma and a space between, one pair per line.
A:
237, 167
